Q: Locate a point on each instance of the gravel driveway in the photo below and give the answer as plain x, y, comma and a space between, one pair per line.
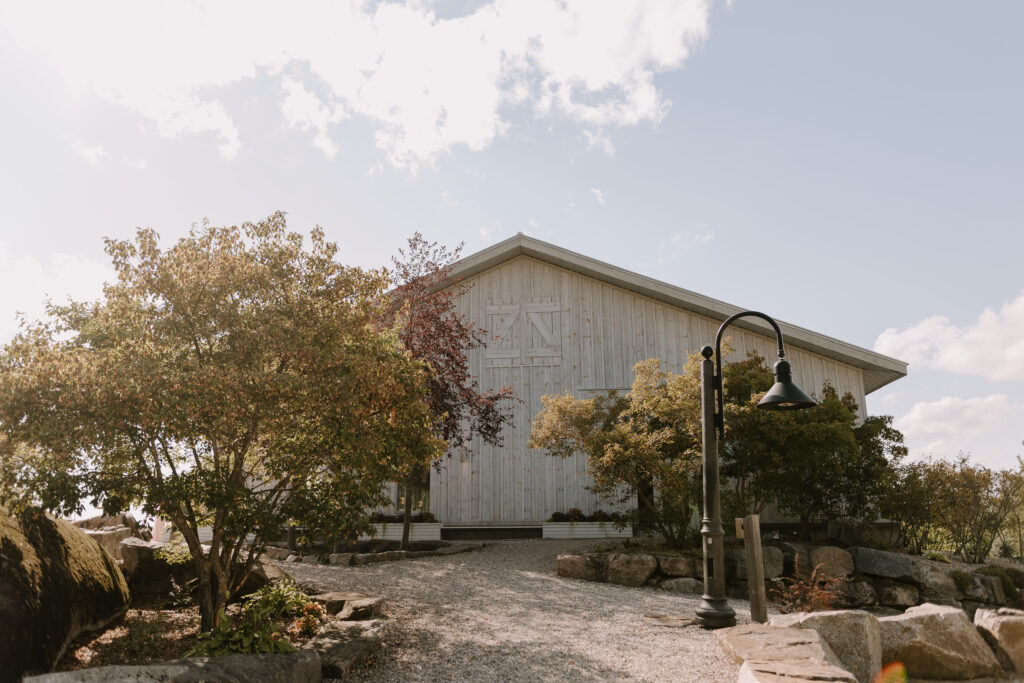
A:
502, 614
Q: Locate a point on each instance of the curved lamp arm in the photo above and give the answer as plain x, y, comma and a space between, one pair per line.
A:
720, 415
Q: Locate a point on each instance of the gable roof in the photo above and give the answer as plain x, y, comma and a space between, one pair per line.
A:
878, 370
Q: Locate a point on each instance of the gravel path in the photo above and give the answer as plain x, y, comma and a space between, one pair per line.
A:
502, 614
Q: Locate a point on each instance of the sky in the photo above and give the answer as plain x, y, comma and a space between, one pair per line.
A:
853, 168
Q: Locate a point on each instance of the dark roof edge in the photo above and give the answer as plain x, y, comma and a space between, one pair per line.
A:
882, 369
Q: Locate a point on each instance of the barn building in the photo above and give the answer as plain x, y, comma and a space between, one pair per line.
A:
560, 321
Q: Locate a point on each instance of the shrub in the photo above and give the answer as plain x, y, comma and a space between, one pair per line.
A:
1006, 550
313, 614
798, 593
275, 601
259, 628
249, 636
418, 516
174, 552
576, 515
937, 557
1004, 578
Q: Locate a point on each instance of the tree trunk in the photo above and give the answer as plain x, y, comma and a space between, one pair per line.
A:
407, 518
805, 528
291, 537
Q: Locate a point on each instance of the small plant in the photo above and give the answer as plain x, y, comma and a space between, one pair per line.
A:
275, 601
961, 579
249, 636
313, 616
1007, 551
259, 629
936, 557
1004, 578
813, 593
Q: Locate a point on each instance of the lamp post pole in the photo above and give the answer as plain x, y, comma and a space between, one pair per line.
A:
714, 610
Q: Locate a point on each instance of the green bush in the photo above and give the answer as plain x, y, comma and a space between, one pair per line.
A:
259, 628
937, 557
274, 601
249, 636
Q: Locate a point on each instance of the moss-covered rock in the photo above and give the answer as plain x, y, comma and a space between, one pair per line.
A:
55, 583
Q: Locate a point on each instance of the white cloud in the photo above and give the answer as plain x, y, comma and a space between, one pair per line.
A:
303, 109
599, 141
946, 426
598, 195
992, 346
704, 238
93, 154
138, 164
26, 282
426, 84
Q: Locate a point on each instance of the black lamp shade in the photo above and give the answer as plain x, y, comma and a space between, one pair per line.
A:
784, 395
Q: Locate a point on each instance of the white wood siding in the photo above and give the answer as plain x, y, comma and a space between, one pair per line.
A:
554, 330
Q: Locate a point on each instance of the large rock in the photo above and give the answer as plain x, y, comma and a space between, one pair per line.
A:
853, 636
851, 594
895, 594
736, 563
792, 671
110, 538
627, 569
683, 584
835, 562
294, 667
125, 519
345, 645
263, 573
936, 641
147, 572
764, 643
1003, 630
886, 565
680, 566
984, 589
937, 584
55, 583
588, 566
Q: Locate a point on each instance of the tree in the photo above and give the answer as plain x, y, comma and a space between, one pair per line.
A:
233, 380
645, 444
908, 500
973, 504
423, 305
820, 463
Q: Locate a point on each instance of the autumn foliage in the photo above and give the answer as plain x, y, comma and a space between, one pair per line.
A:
236, 379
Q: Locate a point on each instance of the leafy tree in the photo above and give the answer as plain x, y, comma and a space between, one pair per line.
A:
645, 444
973, 504
423, 304
819, 463
233, 380
908, 499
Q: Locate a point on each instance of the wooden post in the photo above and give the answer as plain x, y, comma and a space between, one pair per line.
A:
755, 568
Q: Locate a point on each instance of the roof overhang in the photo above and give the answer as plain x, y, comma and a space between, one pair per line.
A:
878, 369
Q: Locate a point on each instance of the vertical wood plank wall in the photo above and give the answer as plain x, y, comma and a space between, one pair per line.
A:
557, 331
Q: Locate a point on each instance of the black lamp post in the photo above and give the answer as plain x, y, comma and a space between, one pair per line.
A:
714, 610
